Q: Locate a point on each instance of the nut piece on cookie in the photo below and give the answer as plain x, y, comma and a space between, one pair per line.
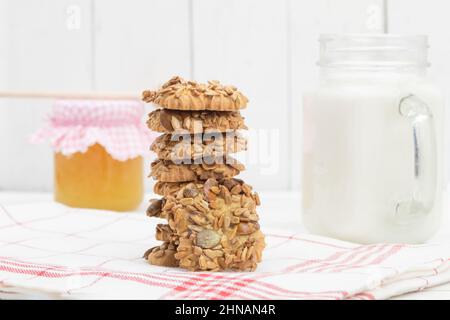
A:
163, 255
155, 207
217, 225
168, 121
179, 94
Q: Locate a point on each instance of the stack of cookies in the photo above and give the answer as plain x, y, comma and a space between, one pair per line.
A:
212, 220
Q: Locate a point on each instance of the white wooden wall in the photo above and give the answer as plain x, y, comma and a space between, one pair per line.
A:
268, 48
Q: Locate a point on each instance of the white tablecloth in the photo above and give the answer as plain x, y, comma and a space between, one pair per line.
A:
280, 216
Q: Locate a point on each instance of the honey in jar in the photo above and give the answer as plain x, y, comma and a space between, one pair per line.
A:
98, 148
95, 180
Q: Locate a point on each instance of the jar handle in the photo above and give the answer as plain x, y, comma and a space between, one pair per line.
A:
420, 201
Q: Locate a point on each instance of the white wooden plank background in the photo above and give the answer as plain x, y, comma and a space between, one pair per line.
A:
140, 43
149, 44
267, 47
245, 43
308, 19
42, 53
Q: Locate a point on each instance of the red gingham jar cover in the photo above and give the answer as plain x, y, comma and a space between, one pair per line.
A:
75, 125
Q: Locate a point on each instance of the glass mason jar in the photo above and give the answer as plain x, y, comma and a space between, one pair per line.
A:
373, 141
98, 148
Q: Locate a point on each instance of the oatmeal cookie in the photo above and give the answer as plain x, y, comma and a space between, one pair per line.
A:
180, 94
178, 148
167, 171
169, 188
216, 224
168, 121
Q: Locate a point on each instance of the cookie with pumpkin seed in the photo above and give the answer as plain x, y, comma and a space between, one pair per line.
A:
180, 94
216, 225
167, 171
168, 121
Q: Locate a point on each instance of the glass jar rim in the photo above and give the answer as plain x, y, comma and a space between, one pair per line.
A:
422, 37
373, 50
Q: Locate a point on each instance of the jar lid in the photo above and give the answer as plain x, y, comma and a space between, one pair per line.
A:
75, 125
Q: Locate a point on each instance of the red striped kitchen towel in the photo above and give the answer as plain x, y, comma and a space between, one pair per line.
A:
49, 250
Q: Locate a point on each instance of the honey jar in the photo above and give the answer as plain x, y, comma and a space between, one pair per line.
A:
98, 149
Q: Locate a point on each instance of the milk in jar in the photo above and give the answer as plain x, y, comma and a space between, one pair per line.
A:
373, 142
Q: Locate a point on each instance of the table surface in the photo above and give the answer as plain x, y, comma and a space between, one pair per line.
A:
286, 205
